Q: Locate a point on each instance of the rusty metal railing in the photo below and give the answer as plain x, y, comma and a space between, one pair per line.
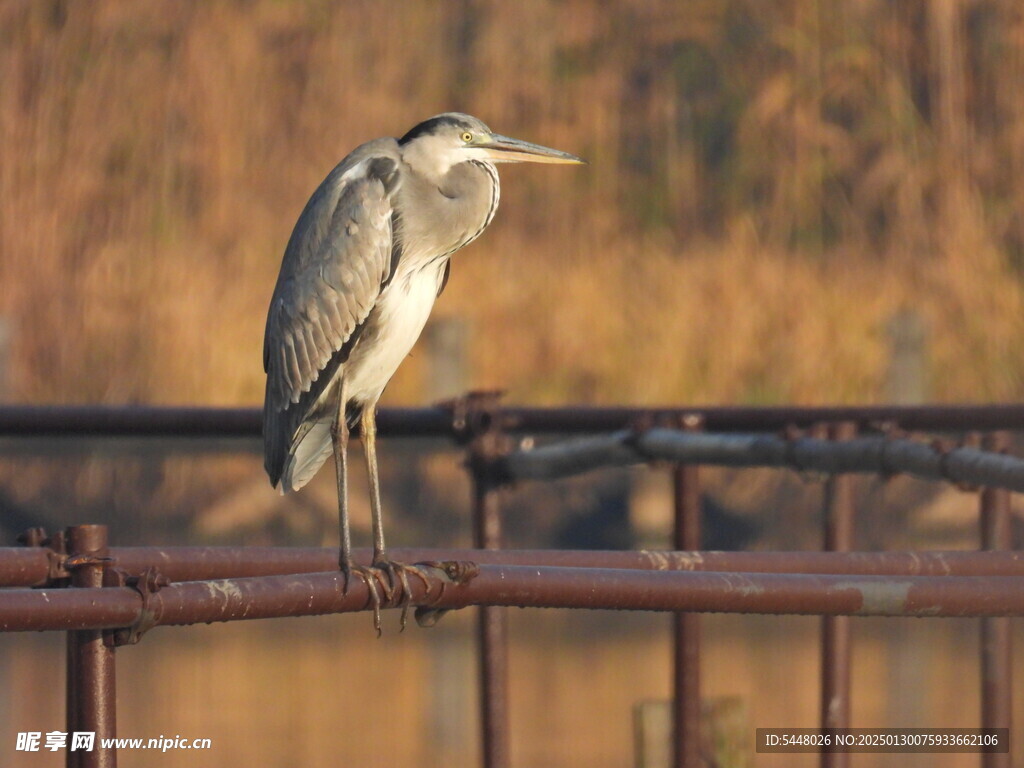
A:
438, 421
119, 593
141, 603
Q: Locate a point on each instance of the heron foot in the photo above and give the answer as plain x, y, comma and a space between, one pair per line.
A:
398, 591
388, 585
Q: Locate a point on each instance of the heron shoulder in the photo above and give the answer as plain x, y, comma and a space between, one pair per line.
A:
367, 157
375, 161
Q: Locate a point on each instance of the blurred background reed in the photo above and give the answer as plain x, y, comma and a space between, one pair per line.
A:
770, 182
788, 201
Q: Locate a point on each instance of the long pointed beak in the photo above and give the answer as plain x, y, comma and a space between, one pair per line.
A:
502, 149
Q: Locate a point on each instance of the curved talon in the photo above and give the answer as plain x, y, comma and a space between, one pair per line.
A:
419, 574
406, 597
372, 585
403, 572
346, 575
380, 567
403, 578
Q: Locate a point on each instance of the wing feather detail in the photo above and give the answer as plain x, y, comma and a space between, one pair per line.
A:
337, 260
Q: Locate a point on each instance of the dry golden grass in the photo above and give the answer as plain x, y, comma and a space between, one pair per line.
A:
767, 188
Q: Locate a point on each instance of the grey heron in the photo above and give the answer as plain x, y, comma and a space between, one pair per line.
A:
369, 255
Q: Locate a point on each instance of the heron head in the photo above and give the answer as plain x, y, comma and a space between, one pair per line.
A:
453, 137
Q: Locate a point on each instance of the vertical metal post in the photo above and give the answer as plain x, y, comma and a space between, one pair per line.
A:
686, 712
492, 629
476, 415
835, 630
996, 644
90, 662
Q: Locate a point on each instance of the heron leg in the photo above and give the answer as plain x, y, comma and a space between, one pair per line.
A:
339, 436
369, 432
397, 573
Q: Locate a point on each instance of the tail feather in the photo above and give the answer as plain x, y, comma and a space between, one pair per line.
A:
306, 456
292, 462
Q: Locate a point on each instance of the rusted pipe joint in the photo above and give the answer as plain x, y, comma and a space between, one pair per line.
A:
458, 572
686, 422
56, 553
74, 562
474, 413
944, 447
147, 584
477, 423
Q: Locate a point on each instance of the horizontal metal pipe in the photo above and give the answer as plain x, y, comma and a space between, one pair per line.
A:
148, 421
26, 610
876, 455
518, 586
952, 418
620, 589
23, 566
27, 567
127, 421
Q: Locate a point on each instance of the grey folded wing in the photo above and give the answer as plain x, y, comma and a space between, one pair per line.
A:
339, 257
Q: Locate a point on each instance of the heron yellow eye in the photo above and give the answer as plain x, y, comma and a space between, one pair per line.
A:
467, 137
